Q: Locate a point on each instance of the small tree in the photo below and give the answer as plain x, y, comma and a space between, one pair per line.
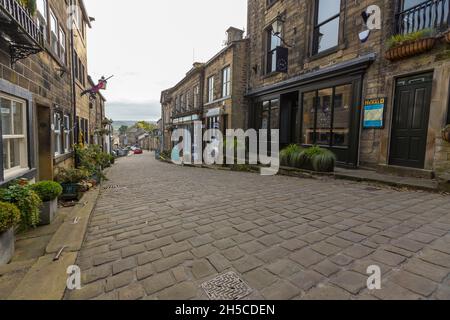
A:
123, 130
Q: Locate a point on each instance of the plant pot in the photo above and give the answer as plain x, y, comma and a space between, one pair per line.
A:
71, 191
48, 212
410, 49
7, 239
446, 134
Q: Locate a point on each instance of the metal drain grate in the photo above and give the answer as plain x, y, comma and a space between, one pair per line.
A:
112, 187
227, 287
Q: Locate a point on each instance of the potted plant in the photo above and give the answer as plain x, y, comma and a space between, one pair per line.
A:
48, 192
71, 183
30, 5
26, 200
405, 45
9, 219
446, 133
289, 155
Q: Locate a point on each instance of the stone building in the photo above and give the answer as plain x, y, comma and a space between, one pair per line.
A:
315, 75
211, 92
37, 87
99, 126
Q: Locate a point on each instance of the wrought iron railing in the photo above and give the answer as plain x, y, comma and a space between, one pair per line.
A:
23, 18
431, 14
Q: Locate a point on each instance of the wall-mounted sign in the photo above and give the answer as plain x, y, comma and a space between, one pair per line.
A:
374, 113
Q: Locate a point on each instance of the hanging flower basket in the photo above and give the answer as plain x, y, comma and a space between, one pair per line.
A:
446, 133
408, 49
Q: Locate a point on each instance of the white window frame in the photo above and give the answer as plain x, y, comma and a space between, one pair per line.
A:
196, 96
226, 82
67, 144
42, 16
57, 131
54, 31
10, 172
62, 45
211, 89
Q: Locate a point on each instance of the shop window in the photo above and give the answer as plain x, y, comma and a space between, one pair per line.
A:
326, 27
14, 135
226, 82
326, 116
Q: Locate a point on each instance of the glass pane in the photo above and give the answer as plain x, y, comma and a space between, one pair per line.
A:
407, 4
275, 115
18, 117
342, 112
5, 155
6, 116
15, 152
328, 9
328, 35
324, 108
308, 117
265, 115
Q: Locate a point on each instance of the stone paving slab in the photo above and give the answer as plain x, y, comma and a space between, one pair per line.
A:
167, 229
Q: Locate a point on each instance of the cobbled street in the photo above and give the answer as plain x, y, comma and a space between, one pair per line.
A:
159, 231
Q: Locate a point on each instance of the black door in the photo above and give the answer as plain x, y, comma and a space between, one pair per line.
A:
410, 123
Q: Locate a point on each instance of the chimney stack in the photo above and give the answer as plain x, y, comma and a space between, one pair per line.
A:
234, 34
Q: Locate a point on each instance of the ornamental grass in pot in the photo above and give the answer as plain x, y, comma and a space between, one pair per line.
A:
401, 46
71, 183
9, 219
48, 192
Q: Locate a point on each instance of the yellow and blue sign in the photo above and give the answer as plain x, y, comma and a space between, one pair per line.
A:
374, 113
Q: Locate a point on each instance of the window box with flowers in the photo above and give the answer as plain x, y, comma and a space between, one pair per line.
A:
402, 46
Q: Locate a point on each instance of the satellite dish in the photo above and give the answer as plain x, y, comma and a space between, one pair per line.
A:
363, 36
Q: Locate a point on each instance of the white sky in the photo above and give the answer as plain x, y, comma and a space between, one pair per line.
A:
149, 46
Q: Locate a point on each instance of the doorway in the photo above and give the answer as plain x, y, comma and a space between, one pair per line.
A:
410, 121
44, 145
289, 119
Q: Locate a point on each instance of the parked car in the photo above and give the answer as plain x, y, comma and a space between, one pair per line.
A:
138, 151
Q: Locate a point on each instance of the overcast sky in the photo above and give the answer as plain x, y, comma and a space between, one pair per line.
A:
150, 45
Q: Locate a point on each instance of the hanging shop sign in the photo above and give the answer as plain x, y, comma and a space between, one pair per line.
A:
374, 113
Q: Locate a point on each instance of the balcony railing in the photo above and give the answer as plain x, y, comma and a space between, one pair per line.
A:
16, 12
431, 14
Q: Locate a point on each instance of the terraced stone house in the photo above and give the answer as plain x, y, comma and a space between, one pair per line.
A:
319, 75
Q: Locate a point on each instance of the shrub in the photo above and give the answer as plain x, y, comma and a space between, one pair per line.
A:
47, 190
314, 158
400, 39
289, 154
26, 200
69, 176
323, 161
9, 216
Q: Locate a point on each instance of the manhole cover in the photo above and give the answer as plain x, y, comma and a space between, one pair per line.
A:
226, 287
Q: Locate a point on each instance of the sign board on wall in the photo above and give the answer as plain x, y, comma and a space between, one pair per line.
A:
374, 113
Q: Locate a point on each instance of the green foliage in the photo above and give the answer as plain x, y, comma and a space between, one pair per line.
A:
26, 200
123, 130
47, 190
314, 158
93, 159
147, 126
30, 5
9, 216
289, 154
400, 39
69, 176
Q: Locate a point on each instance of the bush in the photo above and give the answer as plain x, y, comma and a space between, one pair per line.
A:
69, 176
9, 216
47, 190
93, 159
400, 39
314, 158
26, 200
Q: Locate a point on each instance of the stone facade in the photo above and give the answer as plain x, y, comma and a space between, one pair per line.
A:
45, 83
378, 78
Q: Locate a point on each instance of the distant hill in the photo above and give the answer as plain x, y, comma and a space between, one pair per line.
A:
128, 123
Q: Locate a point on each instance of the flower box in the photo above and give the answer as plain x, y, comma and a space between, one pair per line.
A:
48, 212
71, 191
409, 49
7, 239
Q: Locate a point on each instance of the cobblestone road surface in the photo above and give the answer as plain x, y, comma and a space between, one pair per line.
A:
159, 231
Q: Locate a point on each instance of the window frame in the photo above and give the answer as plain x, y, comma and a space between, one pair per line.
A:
226, 85
269, 51
196, 92
62, 44
316, 27
57, 132
211, 88
42, 18
10, 172
54, 43
66, 134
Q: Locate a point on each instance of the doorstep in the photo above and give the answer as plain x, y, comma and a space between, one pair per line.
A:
362, 175
33, 274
